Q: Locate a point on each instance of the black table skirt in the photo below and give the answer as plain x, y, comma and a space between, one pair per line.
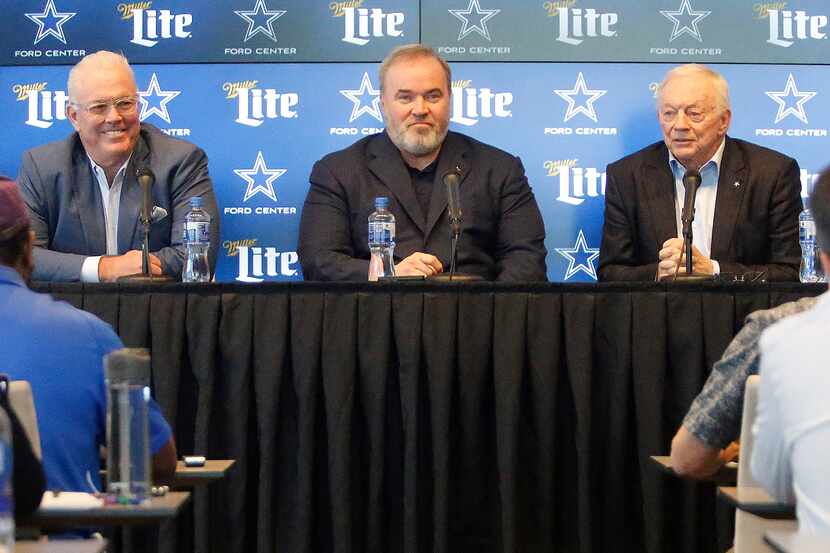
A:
437, 418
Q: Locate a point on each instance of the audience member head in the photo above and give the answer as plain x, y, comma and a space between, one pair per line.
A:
15, 236
103, 107
694, 113
415, 85
819, 204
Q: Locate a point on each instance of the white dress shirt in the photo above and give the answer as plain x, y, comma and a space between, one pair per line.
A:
791, 454
111, 200
704, 201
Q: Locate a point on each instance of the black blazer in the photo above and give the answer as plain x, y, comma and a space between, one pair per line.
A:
502, 233
755, 223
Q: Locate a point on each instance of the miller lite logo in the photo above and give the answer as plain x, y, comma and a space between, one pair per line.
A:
44, 106
786, 26
150, 25
576, 24
256, 263
469, 103
255, 105
362, 24
576, 183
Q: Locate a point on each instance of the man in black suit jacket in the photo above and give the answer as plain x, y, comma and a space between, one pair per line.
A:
502, 232
747, 207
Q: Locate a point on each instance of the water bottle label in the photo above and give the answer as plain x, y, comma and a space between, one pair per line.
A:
806, 231
381, 233
196, 232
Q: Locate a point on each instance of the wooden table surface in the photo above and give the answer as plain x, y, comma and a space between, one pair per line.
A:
756, 501
154, 511
60, 546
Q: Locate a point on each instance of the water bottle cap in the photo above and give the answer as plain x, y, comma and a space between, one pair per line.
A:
196, 201
381, 202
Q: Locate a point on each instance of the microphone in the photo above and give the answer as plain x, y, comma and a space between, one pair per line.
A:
691, 182
146, 179
451, 181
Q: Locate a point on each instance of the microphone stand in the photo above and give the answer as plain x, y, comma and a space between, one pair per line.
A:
145, 178
691, 181
451, 181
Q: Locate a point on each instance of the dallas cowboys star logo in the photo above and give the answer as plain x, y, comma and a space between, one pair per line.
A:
359, 107
791, 91
155, 91
581, 89
689, 28
581, 249
50, 22
259, 168
476, 14
265, 17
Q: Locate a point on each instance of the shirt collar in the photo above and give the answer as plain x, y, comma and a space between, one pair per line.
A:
98, 169
11, 276
715, 160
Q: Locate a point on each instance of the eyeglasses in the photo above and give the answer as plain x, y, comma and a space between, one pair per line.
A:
125, 106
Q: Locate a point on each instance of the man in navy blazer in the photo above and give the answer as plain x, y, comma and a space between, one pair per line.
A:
746, 210
502, 232
82, 193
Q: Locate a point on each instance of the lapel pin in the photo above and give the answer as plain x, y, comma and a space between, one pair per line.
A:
737, 184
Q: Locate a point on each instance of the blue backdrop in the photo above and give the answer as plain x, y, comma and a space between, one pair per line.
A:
264, 124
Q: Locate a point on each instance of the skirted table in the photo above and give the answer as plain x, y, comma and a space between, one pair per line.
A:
436, 417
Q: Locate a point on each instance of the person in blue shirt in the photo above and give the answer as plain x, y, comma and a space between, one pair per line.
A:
60, 349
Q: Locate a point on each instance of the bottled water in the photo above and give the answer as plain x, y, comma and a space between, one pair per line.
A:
197, 241
6, 491
381, 240
810, 270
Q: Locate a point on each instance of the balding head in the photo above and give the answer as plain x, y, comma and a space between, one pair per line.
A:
102, 61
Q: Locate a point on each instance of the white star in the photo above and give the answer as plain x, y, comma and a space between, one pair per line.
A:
260, 9
588, 108
473, 8
581, 247
355, 96
56, 29
798, 108
689, 28
155, 91
259, 168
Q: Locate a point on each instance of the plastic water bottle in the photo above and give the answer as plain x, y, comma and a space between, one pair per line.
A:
6, 482
197, 241
381, 240
810, 270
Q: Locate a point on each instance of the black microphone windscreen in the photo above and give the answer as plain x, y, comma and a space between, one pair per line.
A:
692, 177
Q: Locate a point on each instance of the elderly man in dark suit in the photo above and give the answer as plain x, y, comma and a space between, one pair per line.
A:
502, 233
747, 207
82, 193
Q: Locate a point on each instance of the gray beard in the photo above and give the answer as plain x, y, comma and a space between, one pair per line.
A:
417, 144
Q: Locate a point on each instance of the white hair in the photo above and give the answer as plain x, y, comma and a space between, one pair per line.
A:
719, 84
103, 60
